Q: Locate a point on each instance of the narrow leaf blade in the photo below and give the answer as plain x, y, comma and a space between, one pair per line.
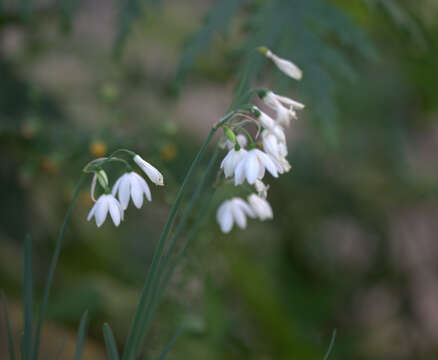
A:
9, 329
110, 343
27, 300
81, 336
169, 345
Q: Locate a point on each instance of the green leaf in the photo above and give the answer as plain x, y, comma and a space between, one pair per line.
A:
9, 329
110, 343
81, 336
27, 300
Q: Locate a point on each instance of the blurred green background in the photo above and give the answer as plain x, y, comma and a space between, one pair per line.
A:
353, 244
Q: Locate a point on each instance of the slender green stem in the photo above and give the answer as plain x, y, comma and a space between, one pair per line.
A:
27, 345
53, 263
11, 347
135, 335
174, 240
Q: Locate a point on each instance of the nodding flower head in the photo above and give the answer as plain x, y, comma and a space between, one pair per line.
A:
152, 173
261, 208
252, 166
283, 106
233, 211
131, 185
231, 160
104, 204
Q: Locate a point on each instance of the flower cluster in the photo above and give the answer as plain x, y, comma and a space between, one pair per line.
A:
129, 186
250, 157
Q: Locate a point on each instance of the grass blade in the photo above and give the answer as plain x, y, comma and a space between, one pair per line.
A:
8, 326
27, 300
52, 268
169, 345
81, 336
110, 343
61, 348
332, 343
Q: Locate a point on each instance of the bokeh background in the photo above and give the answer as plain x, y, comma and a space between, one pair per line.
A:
353, 244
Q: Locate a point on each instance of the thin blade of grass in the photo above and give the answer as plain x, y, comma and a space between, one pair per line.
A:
332, 343
169, 345
8, 327
27, 300
61, 348
81, 336
54, 261
110, 343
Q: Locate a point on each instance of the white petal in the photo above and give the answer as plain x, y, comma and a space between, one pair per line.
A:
239, 217
267, 163
101, 210
114, 209
239, 173
225, 218
244, 207
125, 191
136, 193
145, 187
92, 211
252, 167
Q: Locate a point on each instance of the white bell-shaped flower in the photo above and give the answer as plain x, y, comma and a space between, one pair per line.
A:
231, 160
277, 150
104, 204
233, 211
131, 185
252, 166
261, 208
152, 173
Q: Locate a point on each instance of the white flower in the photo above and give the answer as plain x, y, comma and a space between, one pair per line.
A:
283, 106
277, 150
261, 188
265, 120
260, 207
131, 185
231, 160
153, 174
105, 203
285, 66
252, 167
234, 210
228, 144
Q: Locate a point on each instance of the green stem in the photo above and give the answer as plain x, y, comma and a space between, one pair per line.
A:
135, 330
163, 265
53, 263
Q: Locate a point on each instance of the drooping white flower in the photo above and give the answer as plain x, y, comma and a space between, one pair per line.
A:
285, 66
131, 185
252, 167
265, 120
152, 173
105, 203
233, 211
261, 188
277, 150
283, 106
228, 144
260, 207
231, 160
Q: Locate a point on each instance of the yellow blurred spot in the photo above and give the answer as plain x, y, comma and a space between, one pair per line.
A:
98, 148
49, 165
168, 152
